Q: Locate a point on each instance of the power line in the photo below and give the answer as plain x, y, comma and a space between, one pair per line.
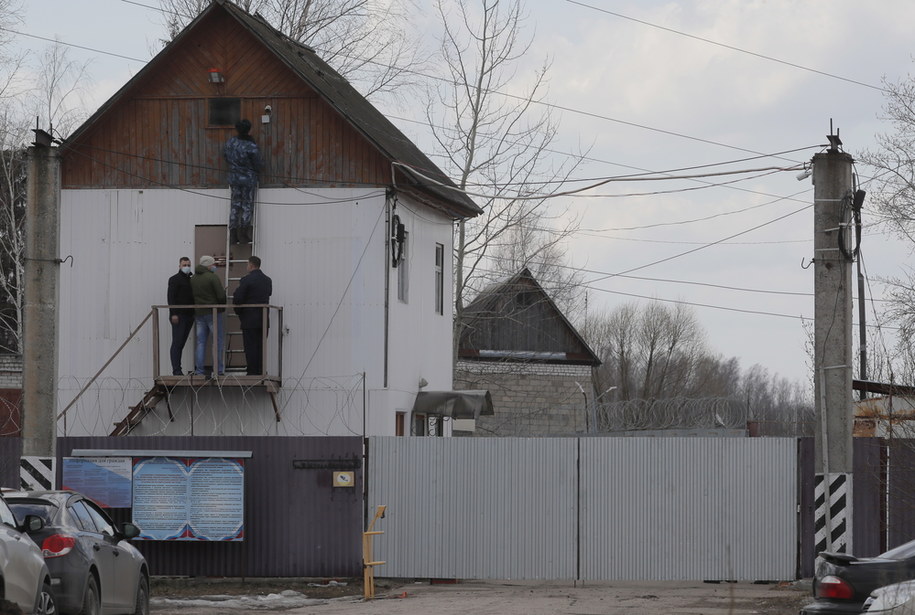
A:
731, 47
446, 80
704, 218
670, 258
578, 191
60, 42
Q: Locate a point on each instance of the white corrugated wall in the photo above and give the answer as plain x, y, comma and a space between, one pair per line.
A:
326, 253
638, 508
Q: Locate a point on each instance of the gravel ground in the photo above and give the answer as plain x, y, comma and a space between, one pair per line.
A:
405, 597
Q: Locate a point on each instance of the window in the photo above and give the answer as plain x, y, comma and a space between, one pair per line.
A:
101, 521
439, 278
6, 515
224, 111
403, 272
399, 423
82, 517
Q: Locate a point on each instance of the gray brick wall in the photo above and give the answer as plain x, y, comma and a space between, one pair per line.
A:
10, 371
529, 399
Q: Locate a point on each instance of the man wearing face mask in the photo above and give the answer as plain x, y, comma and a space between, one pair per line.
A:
208, 290
182, 319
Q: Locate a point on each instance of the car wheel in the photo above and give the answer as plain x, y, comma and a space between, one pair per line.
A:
45, 603
91, 603
142, 597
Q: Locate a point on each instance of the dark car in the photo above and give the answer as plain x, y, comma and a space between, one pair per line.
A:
94, 569
843, 582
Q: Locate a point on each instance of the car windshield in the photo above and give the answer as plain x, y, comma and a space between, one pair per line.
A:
901, 552
43, 510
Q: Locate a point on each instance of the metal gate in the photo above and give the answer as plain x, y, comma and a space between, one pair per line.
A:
586, 508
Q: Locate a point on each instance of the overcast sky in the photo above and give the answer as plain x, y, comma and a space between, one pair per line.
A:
657, 86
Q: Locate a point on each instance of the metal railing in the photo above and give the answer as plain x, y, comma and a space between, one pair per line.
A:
214, 346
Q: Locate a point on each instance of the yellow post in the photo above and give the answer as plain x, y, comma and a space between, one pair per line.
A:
368, 565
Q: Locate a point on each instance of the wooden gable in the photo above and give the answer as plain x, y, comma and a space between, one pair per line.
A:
517, 320
156, 132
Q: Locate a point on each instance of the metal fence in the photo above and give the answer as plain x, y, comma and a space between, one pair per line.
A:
591, 508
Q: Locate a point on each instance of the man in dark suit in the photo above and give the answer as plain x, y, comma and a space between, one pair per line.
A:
254, 288
182, 319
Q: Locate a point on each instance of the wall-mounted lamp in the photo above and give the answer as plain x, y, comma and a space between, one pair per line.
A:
216, 76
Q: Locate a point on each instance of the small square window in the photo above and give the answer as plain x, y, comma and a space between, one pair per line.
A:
224, 111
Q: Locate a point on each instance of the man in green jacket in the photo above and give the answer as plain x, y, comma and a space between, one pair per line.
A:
208, 290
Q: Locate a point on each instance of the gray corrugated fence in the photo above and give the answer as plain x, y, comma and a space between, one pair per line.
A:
688, 508
498, 508
595, 508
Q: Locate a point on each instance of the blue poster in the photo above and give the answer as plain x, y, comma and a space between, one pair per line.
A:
106, 480
189, 499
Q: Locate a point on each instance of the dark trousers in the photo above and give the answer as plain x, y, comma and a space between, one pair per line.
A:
180, 332
254, 350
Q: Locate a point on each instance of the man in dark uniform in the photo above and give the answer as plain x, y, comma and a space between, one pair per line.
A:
253, 288
244, 159
182, 319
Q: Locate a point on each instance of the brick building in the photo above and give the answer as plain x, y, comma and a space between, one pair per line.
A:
519, 346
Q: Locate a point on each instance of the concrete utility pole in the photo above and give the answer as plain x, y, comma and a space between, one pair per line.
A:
833, 199
39, 347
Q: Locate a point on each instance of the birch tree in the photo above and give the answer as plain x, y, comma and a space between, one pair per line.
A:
56, 83
495, 145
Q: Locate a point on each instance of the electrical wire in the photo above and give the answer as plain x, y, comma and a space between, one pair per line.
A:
575, 191
60, 42
681, 254
446, 80
731, 47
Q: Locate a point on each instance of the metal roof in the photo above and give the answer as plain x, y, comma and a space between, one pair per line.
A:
491, 310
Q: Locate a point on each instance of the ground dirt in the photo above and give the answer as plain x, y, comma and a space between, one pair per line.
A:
408, 596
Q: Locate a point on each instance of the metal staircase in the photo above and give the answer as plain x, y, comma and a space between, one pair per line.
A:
138, 413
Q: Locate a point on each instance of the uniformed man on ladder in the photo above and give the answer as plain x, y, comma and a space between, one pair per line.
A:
244, 158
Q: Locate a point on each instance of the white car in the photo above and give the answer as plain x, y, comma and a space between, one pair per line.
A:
896, 599
24, 577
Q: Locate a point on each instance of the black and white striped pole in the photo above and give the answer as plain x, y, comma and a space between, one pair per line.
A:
833, 259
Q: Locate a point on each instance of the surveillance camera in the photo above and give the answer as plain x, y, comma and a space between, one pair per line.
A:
804, 174
268, 109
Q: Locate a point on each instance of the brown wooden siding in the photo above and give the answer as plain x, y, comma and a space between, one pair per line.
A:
156, 134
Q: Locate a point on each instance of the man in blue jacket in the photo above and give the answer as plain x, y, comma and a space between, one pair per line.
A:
254, 288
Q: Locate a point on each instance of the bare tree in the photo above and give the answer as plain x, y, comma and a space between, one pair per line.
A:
55, 99
495, 146
12, 227
891, 195
656, 352
366, 41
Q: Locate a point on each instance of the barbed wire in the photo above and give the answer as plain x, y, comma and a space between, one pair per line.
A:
714, 413
329, 405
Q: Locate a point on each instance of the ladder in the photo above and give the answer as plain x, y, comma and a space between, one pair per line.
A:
236, 268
